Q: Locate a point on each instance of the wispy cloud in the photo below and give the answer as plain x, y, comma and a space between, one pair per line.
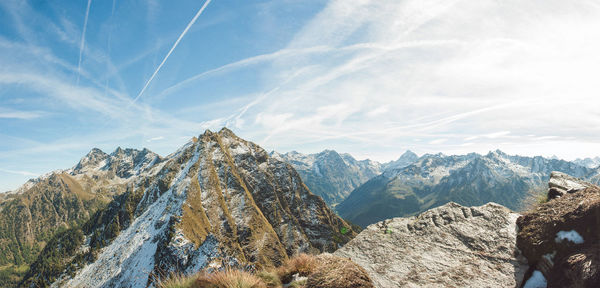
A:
24, 115
24, 173
187, 28
155, 139
82, 45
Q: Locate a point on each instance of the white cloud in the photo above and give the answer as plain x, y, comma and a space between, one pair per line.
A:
438, 141
24, 173
457, 70
155, 139
23, 115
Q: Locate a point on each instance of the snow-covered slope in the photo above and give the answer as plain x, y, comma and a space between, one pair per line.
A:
219, 199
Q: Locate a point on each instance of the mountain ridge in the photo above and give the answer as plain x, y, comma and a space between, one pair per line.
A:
217, 199
471, 179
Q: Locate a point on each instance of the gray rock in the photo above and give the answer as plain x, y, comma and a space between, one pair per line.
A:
448, 246
561, 184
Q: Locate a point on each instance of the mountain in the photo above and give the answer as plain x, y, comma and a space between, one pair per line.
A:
447, 246
405, 159
471, 179
217, 201
329, 174
588, 162
30, 215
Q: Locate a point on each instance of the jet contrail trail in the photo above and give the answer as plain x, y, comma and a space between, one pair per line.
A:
87, 14
171, 51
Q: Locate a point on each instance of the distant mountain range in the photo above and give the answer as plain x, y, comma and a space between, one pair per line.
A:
329, 174
471, 179
588, 162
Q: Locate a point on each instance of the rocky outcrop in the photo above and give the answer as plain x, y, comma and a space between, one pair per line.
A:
561, 184
561, 238
217, 199
448, 246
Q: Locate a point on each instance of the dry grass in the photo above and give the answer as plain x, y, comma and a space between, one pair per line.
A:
177, 281
301, 264
270, 278
322, 271
229, 279
337, 272
534, 197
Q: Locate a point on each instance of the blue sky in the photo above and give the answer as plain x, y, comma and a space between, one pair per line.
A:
372, 78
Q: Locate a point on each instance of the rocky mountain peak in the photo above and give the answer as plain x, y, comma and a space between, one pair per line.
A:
93, 159
214, 201
123, 162
589, 162
409, 155
330, 174
404, 160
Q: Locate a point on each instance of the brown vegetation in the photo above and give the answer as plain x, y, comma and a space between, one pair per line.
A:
337, 272
300, 271
572, 264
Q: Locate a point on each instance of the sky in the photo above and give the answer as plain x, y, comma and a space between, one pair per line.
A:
371, 78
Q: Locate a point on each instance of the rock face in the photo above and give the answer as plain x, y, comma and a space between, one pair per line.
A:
561, 237
448, 246
561, 184
329, 174
471, 179
218, 199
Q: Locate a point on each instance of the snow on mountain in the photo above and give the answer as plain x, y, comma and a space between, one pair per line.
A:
219, 199
589, 162
436, 179
405, 159
329, 174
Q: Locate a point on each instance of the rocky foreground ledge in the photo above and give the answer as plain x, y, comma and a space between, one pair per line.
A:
448, 246
555, 244
561, 238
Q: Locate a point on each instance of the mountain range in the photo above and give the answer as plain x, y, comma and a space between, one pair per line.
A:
471, 179
218, 200
60, 200
329, 174
131, 217
412, 184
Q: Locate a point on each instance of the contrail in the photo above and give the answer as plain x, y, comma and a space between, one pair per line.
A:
87, 14
172, 48
110, 30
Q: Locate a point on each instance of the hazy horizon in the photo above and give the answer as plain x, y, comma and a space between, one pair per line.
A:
381, 161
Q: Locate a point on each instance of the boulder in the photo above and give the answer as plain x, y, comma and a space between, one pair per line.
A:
579, 269
561, 184
448, 246
560, 237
